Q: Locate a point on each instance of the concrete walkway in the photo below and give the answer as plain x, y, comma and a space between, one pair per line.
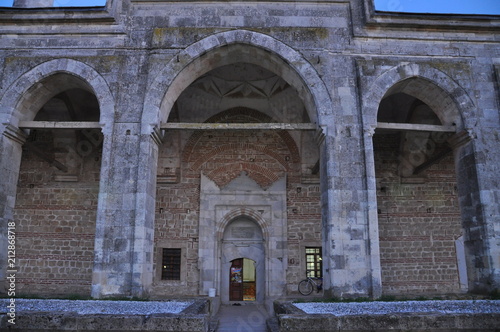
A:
244, 318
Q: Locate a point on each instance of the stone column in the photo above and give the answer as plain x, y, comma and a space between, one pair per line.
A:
123, 264
371, 213
350, 232
33, 3
142, 269
479, 204
11, 141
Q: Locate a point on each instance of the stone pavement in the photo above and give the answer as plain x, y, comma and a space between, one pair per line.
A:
244, 318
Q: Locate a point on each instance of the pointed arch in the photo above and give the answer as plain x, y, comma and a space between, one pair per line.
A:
23, 98
444, 95
242, 212
227, 48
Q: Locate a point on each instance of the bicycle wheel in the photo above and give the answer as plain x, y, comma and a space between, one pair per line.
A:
305, 287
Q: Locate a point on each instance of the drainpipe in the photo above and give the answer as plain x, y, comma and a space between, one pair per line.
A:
33, 3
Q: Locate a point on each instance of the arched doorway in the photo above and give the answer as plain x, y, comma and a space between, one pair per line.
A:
243, 259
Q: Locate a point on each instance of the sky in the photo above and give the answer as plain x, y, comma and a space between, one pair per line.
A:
412, 6
65, 3
491, 7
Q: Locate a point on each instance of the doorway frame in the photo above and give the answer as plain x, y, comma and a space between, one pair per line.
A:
267, 208
252, 249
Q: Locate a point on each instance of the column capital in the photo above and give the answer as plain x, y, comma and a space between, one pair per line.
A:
320, 135
461, 138
15, 134
157, 136
370, 130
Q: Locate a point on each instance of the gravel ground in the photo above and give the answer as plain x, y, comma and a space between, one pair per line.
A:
98, 307
378, 308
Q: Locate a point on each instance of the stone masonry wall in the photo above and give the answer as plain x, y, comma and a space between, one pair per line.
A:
341, 58
418, 224
55, 224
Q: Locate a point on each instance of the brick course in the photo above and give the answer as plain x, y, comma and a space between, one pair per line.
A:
418, 225
55, 225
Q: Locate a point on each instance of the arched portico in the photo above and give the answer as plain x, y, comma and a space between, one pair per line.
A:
453, 107
255, 48
22, 100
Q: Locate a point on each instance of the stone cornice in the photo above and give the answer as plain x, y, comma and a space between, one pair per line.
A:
55, 15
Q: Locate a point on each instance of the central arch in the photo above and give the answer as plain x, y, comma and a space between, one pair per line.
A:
187, 70
228, 48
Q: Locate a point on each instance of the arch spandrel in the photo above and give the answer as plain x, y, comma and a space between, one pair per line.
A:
227, 48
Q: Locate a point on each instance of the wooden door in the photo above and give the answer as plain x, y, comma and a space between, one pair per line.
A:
236, 280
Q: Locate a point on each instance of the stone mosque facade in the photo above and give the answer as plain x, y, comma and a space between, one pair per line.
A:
160, 149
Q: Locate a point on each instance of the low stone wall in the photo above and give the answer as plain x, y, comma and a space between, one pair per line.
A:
194, 318
290, 318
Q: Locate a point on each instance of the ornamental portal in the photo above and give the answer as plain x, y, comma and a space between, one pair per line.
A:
242, 240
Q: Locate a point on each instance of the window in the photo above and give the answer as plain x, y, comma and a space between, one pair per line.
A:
171, 264
314, 266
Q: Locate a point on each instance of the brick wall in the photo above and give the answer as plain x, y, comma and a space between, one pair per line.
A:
222, 156
304, 227
55, 222
418, 223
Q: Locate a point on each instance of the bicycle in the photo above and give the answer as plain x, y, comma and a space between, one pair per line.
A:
306, 286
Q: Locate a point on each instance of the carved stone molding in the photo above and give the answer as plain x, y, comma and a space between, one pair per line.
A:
15, 134
461, 138
157, 136
369, 130
320, 135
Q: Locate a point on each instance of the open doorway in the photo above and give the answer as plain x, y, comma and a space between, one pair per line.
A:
242, 280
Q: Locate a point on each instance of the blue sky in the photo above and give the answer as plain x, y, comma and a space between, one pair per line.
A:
63, 3
440, 6
415, 6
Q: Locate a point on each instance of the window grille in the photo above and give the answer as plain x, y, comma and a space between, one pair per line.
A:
171, 264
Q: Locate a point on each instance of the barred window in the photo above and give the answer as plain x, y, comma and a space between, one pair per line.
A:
314, 262
171, 264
